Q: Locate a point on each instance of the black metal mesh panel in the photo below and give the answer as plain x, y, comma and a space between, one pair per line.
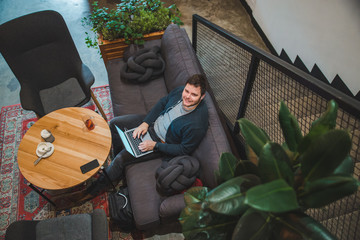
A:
272, 86
226, 66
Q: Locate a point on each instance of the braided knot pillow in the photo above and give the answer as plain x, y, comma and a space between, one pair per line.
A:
146, 64
177, 174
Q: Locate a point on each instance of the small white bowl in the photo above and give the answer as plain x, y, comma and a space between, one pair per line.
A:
42, 147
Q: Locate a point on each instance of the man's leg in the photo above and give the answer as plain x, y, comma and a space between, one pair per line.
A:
114, 171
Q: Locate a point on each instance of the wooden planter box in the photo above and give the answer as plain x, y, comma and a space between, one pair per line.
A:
115, 49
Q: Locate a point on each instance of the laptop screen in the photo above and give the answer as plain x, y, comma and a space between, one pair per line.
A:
125, 141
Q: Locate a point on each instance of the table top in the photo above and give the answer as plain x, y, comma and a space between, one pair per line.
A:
74, 146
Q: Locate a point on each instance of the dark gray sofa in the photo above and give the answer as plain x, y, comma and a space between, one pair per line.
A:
151, 210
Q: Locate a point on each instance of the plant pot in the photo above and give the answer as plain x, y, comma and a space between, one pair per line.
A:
115, 49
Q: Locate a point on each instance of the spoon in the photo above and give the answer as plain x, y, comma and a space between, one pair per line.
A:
41, 157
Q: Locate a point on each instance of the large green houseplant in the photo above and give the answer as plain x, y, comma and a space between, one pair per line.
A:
267, 199
131, 20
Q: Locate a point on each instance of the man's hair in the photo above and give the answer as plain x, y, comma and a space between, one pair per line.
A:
198, 80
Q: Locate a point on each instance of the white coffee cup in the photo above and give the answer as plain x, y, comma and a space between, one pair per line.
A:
47, 136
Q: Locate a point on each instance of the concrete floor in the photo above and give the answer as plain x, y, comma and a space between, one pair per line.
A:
228, 14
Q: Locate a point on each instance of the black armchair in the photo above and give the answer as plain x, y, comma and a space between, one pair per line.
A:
41, 53
92, 226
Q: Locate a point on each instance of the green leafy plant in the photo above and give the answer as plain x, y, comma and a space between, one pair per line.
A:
267, 200
131, 19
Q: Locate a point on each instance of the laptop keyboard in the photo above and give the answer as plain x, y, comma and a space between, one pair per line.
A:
134, 141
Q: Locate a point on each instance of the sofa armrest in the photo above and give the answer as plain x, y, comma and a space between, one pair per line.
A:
99, 225
172, 206
21, 230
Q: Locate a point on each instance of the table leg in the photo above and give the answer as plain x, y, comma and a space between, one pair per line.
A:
98, 105
41, 194
107, 177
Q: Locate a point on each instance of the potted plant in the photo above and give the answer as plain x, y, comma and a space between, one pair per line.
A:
267, 198
132, 21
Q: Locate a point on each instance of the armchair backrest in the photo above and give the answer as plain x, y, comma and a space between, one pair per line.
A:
39, 49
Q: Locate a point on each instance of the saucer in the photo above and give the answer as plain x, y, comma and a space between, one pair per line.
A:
43, 145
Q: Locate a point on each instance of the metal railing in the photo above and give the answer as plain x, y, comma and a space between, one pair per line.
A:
249, 82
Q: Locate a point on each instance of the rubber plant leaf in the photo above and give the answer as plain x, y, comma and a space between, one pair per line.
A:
276, 196
227, 166
327, 190
297, 225
325, 154
195, 194
274, 164
246, 167
290, 127
253, 225
346, 167
326, 122
313, 134
328, 118
205, 224
190, 215
254, 136
228, 198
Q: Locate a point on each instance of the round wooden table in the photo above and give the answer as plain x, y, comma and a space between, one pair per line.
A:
74, 146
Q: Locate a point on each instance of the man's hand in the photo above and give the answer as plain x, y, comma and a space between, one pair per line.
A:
147, 145
140, 130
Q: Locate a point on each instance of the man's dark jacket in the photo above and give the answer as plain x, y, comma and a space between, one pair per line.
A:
185, 132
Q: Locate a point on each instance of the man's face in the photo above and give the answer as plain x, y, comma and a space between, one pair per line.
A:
191, 96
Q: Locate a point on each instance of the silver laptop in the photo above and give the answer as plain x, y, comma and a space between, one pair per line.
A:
132, 145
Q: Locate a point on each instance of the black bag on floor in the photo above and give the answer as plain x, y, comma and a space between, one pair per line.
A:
120, 210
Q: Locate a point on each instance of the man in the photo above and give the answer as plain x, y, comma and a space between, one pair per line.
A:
177, 124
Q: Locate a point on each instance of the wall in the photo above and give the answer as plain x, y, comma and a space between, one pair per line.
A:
325, 32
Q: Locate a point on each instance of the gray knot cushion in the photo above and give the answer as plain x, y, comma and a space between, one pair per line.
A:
176, 175
146, 64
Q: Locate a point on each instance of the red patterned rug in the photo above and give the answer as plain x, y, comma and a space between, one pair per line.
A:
17, 200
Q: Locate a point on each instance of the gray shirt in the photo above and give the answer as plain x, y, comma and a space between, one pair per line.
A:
163, 122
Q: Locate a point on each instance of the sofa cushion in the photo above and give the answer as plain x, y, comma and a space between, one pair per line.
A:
136, 99
176, 175
67, 94
67, 227
212, 146
145, 200
181, 61
130, 98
